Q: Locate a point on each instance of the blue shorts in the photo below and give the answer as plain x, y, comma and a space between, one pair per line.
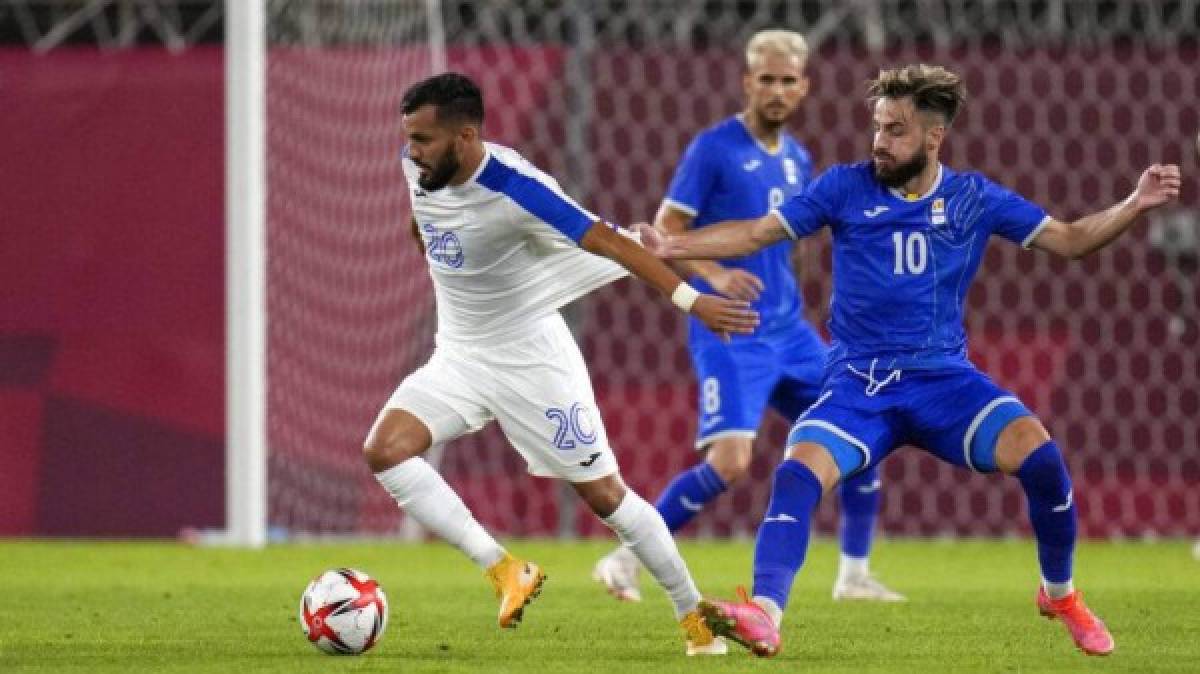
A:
955, 413
738, 380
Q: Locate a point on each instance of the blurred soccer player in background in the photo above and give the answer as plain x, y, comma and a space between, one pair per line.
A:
506, 248
908, 238
740, 169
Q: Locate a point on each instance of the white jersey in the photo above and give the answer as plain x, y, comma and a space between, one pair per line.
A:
503, 247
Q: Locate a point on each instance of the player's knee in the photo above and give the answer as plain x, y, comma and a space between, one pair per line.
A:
1020, 438
602, 496
730, 458
396, 437
819, 460
381, 455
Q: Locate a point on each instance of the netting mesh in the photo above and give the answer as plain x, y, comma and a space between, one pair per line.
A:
1069, 102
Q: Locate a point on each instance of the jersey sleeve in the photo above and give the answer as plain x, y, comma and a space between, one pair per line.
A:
818, 205
540, 196
1014, 217
695, 177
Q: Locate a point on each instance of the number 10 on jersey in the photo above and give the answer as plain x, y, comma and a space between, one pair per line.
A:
912, 252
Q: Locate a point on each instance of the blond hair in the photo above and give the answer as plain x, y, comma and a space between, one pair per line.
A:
932, 89
784, 42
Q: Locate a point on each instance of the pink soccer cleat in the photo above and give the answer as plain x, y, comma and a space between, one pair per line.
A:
744, 622
1088, 631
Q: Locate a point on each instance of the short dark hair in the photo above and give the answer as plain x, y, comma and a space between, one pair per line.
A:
454, 95
932, 89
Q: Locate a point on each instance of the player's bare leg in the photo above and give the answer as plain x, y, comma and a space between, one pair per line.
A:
1024, 449
642, 530
393, 451
726, 461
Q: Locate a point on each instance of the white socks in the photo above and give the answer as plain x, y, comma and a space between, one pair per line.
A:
1058, 590
641, 528
852, 567
772, 609
426, 497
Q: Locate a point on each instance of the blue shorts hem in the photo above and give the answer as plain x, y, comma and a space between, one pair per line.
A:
979, 445
850, 453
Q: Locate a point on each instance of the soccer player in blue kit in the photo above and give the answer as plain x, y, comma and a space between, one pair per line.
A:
908, 237
742, 168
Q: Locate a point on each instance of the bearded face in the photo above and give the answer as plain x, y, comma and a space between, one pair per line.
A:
437, 172
894, 172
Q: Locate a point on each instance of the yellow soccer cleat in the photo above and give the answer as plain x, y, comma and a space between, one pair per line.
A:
700, 639
517, 583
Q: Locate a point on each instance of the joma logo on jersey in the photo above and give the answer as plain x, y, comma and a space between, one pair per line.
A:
443, 247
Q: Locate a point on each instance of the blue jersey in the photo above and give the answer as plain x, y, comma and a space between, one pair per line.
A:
726, 174
902, 266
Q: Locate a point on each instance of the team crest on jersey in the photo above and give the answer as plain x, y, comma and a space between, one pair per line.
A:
443, 247
789, 170
937, 212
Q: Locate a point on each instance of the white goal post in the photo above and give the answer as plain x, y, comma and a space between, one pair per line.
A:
245, 274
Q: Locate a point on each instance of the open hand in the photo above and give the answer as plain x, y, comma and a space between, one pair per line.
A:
738, 284
725, 316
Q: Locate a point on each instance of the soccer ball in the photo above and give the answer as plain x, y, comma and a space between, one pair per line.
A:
343, 612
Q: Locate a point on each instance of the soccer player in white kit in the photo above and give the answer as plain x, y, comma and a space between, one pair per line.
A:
506, 248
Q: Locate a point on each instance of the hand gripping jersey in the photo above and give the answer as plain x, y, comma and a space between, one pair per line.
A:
503, 247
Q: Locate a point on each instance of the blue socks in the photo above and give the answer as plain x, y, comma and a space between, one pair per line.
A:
783, 536
1047, 486
860, 505
688, 493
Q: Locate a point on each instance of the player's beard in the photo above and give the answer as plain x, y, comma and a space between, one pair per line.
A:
772, 117
902, 172
438, 176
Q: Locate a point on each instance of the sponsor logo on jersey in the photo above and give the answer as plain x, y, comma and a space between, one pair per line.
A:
876, 212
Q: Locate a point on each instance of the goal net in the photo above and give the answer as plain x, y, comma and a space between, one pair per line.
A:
1069, 101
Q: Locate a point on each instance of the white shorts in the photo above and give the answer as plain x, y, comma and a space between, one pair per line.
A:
535, 386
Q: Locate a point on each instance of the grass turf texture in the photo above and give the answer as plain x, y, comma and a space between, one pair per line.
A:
119, 607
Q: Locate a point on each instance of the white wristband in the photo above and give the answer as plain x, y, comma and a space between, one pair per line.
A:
685, 296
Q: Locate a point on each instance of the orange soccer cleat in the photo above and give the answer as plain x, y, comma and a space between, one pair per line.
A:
700, 639
517, 583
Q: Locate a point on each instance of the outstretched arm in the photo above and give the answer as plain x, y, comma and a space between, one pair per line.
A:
721, 315
732, 238
1158, 185
730, 282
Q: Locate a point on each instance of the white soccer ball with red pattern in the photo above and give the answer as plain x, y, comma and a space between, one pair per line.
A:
343, 612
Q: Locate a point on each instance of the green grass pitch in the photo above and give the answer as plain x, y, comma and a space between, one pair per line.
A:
162, 607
